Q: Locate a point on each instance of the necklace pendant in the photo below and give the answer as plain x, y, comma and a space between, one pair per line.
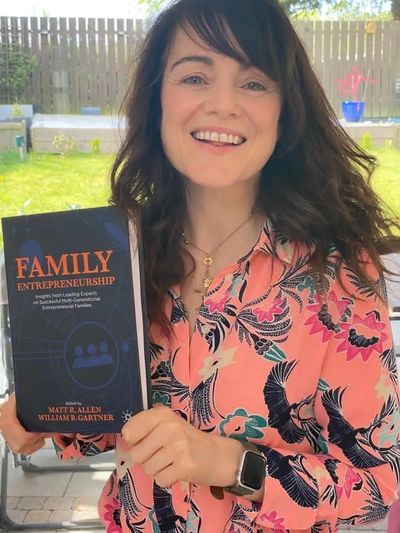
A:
207, 282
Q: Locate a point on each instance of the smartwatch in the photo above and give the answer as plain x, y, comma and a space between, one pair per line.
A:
251, 473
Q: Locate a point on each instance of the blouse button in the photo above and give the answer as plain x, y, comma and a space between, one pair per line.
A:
205, 329
229, 277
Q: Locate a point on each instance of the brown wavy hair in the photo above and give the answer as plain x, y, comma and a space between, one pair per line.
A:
316, 185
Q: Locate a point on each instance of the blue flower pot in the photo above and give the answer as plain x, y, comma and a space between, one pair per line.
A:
353, 111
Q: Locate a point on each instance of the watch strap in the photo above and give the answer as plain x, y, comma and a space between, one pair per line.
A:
218, 492
238, 488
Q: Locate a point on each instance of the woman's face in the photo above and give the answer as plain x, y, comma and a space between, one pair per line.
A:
219, 118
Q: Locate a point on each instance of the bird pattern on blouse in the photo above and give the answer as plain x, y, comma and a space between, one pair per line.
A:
273, 362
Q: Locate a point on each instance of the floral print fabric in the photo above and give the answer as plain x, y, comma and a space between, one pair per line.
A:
310, 380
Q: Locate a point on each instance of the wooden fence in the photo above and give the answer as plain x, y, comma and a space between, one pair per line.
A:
85, 62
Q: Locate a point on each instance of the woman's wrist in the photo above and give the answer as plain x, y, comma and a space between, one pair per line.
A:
237, 451
227, 460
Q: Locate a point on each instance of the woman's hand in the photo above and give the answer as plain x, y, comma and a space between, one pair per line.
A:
18, 440
170, 450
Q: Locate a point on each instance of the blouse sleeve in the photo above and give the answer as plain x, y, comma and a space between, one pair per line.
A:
77, 445
353, 479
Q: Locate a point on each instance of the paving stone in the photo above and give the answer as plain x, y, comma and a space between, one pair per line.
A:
377, 526
89, 514
59, 503
12, 502
370, 528
84, 503
17, 515
31, 502
83, 483
61, 516
94, 530
28, 484
38, 515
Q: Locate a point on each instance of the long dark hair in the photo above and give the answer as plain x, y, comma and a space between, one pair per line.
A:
315, 187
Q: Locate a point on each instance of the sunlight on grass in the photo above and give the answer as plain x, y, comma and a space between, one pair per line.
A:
53, 182
386, 181
48, 182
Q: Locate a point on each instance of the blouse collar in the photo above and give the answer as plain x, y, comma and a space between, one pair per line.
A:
272, 243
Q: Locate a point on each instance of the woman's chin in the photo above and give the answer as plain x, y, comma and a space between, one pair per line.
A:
215, 181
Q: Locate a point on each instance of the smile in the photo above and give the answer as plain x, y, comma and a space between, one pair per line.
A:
215, 137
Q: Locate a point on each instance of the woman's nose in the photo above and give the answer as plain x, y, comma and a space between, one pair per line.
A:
222, 99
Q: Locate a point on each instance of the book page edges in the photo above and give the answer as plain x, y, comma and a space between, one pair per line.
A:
137, 296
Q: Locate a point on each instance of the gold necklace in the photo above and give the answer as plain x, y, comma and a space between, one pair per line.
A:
207, 278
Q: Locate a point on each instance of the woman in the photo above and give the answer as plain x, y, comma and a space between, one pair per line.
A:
273, 374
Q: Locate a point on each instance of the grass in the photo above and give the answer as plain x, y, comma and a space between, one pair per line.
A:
47, 182
386, 180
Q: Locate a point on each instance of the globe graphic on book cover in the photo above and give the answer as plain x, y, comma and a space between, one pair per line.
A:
91, 355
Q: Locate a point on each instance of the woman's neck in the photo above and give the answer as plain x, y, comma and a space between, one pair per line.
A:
213, 213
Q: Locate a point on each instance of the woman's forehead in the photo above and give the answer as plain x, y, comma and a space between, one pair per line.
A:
186, 41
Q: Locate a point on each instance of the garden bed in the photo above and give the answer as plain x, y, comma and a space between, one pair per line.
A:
81, 129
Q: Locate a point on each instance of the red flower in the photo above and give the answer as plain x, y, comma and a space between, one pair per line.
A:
218, 305
351, 480
277, 523
276, 308
111, 515
362, 336
352, 82
322, 319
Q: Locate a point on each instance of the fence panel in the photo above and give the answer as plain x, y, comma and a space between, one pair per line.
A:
73, 71
46, 68
87, 61
102, 62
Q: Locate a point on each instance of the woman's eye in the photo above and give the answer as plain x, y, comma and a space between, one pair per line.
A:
194, 80
255, 86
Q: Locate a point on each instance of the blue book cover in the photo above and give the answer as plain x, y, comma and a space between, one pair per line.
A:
78, 320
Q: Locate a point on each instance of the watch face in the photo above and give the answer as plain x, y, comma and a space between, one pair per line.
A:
253, 471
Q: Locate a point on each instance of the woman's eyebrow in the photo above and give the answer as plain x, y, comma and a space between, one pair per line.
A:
208, 61
198, 59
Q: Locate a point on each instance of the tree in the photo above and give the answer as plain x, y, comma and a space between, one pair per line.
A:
302, 8
396, 9
153, 6
16, 66
298, 7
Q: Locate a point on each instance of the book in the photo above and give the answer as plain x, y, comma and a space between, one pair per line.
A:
77, 319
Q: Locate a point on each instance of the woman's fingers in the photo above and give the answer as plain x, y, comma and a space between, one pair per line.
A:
18, 440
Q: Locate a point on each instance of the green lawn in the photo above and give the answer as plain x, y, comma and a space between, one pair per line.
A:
47, 182
386, 180
52, 182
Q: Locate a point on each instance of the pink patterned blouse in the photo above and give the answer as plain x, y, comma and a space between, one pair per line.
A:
312, 382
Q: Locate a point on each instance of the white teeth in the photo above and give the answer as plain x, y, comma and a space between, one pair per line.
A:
214, 136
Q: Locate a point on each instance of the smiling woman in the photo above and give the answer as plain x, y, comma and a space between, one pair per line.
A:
220, 117
267, 313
